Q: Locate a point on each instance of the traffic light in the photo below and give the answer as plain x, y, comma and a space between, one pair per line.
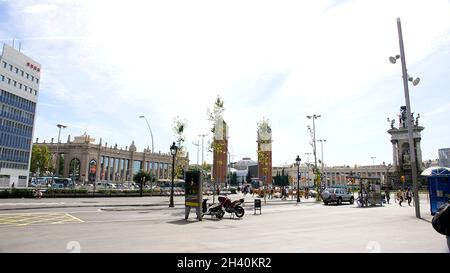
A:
402, 179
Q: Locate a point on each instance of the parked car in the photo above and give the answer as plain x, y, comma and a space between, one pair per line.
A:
337, 195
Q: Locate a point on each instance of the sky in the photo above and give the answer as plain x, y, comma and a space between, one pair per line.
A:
105, 63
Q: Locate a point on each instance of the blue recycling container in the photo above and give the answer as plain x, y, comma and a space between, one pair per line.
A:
439, 188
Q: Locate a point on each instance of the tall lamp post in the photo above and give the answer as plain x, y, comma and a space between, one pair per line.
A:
198, 147
173, 152
308, 178
298, 160
150, 129
60, 126
314, 117
321, 158
203, 138
409, 117
373, 160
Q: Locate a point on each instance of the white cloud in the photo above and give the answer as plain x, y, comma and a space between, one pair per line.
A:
40, 8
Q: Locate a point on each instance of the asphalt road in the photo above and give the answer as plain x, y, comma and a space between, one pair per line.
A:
286, 227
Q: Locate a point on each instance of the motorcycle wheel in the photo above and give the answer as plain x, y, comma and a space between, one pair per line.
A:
220, 214
239, 211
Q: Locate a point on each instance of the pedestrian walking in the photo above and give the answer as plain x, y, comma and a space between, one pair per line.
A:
400, 197
387, 192
271, 193
409, 196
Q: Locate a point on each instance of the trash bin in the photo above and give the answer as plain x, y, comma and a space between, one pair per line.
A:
257, 205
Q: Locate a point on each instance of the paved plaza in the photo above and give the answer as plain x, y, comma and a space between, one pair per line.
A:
147, 224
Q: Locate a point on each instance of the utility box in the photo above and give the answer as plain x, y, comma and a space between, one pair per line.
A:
193, 193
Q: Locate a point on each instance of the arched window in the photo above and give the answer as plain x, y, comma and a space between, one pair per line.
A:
92, 170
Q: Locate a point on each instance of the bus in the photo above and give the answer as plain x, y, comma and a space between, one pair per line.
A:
59, 183
41, 181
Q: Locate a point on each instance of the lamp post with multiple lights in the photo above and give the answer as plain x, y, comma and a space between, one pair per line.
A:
314, 117
60, 126
409, 117
173, 152
321, 158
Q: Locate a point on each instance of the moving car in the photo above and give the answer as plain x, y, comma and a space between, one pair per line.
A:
337, 195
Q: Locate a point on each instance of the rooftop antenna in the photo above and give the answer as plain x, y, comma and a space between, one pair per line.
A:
13, 43
20, 46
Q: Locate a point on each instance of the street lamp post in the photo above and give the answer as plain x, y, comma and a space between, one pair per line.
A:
298, 160
203, 137
314, 117
409, 118
198, 146
308, 178
150, 129
321, 149
373, 160
173, 152
60, 126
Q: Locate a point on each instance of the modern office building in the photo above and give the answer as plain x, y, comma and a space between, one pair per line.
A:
19, 89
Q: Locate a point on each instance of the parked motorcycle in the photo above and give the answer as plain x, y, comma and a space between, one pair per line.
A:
232, 207
213, 209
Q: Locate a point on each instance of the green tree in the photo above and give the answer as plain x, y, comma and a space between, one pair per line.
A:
142, 177
41, 160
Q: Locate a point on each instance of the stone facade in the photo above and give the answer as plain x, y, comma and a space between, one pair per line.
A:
98, 162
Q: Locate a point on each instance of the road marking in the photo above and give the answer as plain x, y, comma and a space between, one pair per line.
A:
25, 219
75, 218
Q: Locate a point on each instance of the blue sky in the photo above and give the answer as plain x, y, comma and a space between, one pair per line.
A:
107, 62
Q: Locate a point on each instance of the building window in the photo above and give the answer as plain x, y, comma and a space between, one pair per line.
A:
3, 78
9, 81
136, 166
37, 80
21, 73
17, 70
4, 64
28, 76
10, 67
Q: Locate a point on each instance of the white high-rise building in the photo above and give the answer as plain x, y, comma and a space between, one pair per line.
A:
19, 90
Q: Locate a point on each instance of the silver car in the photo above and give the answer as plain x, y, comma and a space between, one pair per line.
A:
337, 195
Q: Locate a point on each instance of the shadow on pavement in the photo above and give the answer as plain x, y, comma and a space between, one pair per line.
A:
182, 222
